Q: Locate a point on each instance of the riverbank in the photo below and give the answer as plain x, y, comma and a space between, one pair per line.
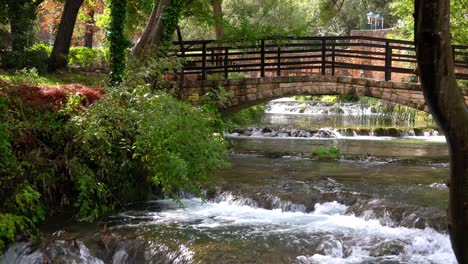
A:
89, 151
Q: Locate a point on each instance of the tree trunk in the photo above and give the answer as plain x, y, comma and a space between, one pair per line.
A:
90, 28
21, 15
59, 56
152, 35
218, 13
446, 102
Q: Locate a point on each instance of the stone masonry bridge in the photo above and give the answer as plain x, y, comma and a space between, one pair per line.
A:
257, 72
252, 91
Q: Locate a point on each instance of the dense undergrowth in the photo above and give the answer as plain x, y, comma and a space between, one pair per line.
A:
89, 157
37, 56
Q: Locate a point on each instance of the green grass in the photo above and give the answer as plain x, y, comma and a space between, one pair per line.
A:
57, 78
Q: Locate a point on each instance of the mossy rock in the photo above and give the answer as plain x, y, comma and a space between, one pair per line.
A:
363, 131
393, 132
336, 110
380, 132
349, 132
387, 248
418, 131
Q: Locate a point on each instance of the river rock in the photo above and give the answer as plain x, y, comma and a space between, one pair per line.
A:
393, 247
322, 133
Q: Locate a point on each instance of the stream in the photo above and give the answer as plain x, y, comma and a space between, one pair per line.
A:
384, 201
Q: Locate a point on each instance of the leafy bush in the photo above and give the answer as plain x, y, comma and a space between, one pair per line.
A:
26, 211
116, 152
29, 77
86, 57
81, 56
132, 137
35, 57
332, 152
251, 115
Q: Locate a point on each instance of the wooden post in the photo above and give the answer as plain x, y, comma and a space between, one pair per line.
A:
203, 73
182, 52
262, 62
453, 54
333, 58
226, 60
324, 58
388, 61
278, 64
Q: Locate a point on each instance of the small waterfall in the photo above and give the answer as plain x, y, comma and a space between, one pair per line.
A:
329, 133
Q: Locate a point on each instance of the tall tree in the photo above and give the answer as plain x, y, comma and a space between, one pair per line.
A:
118, 41
21, 15
218, 14
161, 25
90, 27
447, 104
59, 56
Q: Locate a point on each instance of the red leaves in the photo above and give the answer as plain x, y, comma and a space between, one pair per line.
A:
56, 96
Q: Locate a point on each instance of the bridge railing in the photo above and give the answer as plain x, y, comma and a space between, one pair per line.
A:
356, 56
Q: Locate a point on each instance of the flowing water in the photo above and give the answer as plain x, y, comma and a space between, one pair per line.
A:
276, 205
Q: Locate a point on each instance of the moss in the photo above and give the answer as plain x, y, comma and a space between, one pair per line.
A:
393, 132
418, 131
379, 132
363, 131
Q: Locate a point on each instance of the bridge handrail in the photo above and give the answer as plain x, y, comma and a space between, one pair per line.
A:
328, 55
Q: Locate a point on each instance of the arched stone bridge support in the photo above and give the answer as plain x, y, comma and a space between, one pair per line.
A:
252, 91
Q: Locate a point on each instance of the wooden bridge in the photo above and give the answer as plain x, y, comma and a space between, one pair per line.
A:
257, 72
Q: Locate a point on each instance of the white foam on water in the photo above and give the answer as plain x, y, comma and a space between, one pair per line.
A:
289, 106
417, 245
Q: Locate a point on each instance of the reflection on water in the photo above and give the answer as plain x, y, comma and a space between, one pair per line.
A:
275, 206
279, 210
352, 148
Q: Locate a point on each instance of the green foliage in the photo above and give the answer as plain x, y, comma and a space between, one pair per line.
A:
404, 9
211, 102
26, 211
462, 84
20, 16
27, 204
8, 163
133, 137
93, 200
85, 57
177, 146
26, 76
119, 43
332, 152
249, 116
10, 225
253, 20
34, 57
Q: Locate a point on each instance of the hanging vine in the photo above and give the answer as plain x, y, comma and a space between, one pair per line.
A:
171, 18
119, 43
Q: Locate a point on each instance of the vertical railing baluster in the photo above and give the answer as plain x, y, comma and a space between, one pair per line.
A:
453, 54
262, 59
324, 50
278, 58
203, 61
388, 61
226, 61
333, 58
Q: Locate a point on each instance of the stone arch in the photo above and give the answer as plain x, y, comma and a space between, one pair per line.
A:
252, 91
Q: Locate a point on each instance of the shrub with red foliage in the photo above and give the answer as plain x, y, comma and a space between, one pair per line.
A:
56, 96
